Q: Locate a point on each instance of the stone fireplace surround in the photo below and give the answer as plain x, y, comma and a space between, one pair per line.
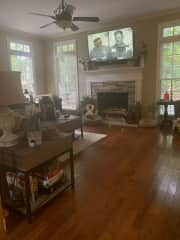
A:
120, 79
114, 86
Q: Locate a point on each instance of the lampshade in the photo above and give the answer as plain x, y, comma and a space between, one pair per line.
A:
10, 88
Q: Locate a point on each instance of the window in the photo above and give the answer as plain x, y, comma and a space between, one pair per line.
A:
20, 54
66, 74
170, 62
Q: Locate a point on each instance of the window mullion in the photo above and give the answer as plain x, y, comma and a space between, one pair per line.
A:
66, 80
21, 60
169, 61
19, 53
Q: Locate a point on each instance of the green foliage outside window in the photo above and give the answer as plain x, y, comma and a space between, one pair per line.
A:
21, 61
171, 31
66, 64
170, 62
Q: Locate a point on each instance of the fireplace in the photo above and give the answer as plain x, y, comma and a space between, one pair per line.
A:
112, 101
126, 81
114, 98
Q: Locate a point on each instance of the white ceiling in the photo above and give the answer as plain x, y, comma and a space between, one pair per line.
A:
14, 13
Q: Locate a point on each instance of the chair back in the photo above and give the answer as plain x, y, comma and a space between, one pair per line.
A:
177, 108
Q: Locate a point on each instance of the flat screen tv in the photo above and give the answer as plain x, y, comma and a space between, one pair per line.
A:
115, 45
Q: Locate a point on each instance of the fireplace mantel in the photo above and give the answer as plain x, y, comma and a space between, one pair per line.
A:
126, 73
112, 69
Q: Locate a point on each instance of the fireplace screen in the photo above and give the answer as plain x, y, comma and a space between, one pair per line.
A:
111, 100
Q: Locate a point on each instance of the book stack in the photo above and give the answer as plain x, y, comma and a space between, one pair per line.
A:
50, 177
16, 188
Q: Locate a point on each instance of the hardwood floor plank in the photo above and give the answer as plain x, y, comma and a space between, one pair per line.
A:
127, 187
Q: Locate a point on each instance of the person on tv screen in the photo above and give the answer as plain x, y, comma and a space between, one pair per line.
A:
99, 52
120, 50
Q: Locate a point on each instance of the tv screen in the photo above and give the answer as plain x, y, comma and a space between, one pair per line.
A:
111, 46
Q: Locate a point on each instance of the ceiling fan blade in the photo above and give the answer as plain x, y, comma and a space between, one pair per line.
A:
74, 27
48, 24
43, 15
86, 19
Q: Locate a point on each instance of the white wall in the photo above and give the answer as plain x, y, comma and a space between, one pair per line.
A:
146, 30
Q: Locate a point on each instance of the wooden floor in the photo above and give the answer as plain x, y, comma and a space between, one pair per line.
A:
127, 187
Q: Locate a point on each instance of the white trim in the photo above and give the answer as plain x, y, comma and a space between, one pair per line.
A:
21, 53
33, 69
78, 86
132, 74
170, 23
55, 68
161, 40
158, 85
17, 40
55, 44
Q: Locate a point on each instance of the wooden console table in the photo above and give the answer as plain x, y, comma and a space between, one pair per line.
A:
26, 160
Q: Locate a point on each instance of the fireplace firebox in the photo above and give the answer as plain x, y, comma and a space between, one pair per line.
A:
112, 100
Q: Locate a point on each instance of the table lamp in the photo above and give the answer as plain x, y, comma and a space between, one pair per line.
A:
10, 94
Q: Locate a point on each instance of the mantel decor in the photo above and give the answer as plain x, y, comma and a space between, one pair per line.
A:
87, 64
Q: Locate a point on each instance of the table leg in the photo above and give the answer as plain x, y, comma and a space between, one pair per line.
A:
28, 196
72, 167
82, 132
73, 135
3, 217
2, 183
165, 112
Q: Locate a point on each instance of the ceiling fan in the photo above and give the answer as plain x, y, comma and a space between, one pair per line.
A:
63, 17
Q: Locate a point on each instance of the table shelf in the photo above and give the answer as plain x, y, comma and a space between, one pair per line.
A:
60, 147
43, 199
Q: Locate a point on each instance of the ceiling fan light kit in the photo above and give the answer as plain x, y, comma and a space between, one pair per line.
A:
63, 17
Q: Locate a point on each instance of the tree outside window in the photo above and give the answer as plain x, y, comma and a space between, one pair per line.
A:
66, 73
21, 60
170, 63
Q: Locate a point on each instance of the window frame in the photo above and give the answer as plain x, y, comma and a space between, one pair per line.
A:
55, 44
162, 40
19, 53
